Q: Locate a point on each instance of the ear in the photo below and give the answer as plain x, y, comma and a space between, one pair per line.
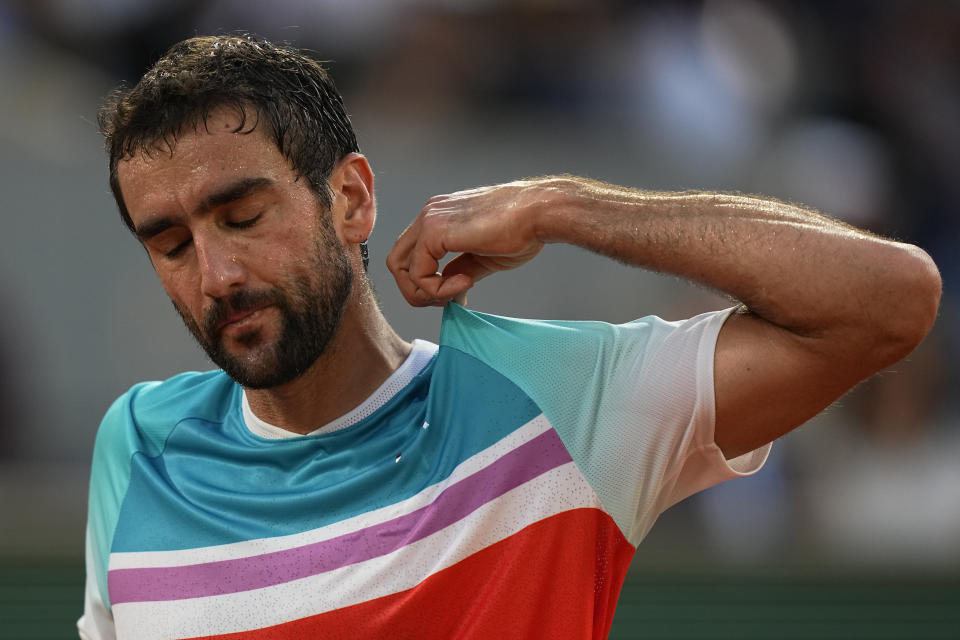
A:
354, 207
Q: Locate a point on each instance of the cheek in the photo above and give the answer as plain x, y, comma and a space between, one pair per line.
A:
183, 297
292, 249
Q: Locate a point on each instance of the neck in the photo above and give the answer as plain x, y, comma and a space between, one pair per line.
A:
362, 354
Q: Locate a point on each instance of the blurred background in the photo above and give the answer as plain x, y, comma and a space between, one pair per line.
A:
853, 527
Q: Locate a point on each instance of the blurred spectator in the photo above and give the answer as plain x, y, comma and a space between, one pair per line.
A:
121, 36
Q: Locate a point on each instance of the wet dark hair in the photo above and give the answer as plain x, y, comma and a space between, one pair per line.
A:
277, 87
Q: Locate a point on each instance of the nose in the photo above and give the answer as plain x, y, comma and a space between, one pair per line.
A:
221, 271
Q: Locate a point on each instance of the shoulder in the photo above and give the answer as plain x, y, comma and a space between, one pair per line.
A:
144, 415
576, 370
486, 335
558, 363
191, 394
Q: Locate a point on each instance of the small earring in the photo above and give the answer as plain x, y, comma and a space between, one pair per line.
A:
364, 254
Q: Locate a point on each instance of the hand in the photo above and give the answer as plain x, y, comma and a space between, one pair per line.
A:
492, 228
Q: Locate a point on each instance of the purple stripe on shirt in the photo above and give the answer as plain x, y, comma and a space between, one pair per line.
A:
543, 453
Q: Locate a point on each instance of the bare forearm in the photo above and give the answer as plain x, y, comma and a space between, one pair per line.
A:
793, 267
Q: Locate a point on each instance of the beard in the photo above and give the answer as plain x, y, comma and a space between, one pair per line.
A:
310, 308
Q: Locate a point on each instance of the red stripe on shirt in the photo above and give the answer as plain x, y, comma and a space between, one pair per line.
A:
557, 578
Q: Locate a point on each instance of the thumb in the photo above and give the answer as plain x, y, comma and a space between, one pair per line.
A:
469, 265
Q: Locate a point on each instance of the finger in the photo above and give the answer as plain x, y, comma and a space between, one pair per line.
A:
424, 263
398, 257
428, 287
401, 276
459, 275
412, 292
454, 286
398, 262
469, 265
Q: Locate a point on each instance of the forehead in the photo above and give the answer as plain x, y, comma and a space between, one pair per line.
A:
201, 159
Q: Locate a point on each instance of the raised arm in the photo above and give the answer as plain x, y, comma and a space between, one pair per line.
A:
824, 305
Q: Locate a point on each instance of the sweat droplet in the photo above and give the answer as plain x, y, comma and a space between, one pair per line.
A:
399, 455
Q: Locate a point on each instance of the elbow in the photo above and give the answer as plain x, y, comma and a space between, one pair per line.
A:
933, 287
923, 293
914, 303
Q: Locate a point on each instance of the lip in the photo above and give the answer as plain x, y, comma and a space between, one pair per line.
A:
239, 317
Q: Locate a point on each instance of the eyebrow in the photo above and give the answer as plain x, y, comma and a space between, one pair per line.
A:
230, 193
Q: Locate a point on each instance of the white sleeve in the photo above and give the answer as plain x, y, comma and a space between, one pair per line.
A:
676, 405
96, 623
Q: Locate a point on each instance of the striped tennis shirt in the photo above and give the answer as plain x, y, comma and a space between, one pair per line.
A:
495, 486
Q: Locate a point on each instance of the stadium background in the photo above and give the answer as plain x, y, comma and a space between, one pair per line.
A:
852, 529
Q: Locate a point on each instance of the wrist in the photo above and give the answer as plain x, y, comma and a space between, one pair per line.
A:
560, 205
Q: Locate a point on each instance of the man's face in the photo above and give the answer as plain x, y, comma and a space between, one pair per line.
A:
247, 253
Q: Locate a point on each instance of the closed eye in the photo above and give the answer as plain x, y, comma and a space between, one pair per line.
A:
244, 224
177, 250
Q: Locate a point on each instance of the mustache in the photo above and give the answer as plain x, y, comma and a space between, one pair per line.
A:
237, 302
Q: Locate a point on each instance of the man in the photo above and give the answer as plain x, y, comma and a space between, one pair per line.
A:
334, 480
